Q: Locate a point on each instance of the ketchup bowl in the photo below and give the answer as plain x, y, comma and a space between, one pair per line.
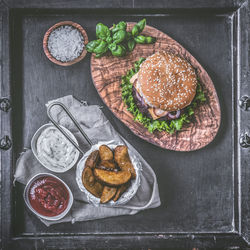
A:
48, 197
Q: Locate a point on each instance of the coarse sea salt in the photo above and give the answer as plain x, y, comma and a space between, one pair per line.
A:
65, 43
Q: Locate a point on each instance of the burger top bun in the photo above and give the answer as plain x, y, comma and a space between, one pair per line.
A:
167, 81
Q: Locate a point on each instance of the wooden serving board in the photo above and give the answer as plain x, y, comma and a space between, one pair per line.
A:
106, 74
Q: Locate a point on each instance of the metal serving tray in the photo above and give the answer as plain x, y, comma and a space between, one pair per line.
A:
204, 194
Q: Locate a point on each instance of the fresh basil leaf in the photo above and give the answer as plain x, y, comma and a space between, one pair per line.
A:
141, 24
102, 31
119, 36
129, 36
92, 45
101, 48
135, 30
117, 50
109, 39
140, 39
112, 46
131, 44
150, 39
120, 26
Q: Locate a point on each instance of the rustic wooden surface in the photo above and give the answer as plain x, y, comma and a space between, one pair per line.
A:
106, 74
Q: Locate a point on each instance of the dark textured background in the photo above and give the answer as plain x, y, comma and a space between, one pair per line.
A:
199, 190
195, 187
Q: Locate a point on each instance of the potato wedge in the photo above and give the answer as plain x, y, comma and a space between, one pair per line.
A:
107, 194
123, 160
106, 153
107, 165
92, 159
112, 178
90, 183
87, 177
121, 190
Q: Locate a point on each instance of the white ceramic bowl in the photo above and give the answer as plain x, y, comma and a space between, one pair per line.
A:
127, 195
34, 149
26, 198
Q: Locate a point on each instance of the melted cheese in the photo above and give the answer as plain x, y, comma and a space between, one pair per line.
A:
154, 116
133, 78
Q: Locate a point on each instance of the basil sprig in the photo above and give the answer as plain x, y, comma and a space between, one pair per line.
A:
118, 40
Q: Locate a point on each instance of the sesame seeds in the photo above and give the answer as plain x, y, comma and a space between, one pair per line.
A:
169, 81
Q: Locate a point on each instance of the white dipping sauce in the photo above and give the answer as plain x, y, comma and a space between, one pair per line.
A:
54, 150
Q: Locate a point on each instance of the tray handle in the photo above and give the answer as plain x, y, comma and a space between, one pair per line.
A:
73, 120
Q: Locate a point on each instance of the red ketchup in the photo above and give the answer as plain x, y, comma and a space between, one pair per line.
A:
48, 196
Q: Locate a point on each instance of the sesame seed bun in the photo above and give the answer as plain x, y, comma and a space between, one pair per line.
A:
166, 81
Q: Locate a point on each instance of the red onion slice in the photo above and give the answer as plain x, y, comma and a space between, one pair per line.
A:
138, 96
174, 116
160, 112
144, 104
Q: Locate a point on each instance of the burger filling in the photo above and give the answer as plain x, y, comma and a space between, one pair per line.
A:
151, 112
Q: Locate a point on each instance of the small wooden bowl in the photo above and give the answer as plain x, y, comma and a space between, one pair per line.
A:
46, 37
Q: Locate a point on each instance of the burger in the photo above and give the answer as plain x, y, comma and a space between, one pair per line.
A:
164, 90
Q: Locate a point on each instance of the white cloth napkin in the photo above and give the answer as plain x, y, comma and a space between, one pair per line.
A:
98, 128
